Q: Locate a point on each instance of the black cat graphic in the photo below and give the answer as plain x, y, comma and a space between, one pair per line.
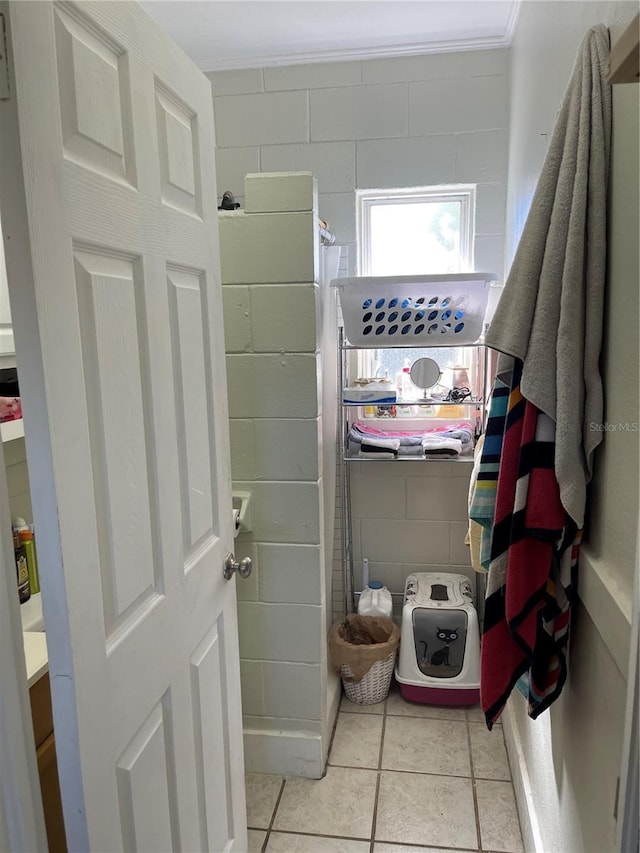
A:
441, 656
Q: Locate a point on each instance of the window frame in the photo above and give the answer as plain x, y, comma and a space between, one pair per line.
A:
366, 199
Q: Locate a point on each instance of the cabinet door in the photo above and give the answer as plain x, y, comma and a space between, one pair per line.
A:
41, 711
51, 802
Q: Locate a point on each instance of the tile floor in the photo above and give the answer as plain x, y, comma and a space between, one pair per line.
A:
402, 778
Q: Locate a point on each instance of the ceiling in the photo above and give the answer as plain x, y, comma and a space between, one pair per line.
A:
225, 34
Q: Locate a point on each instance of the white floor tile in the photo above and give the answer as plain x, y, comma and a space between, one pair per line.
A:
424, 800
353, 707
426, 746
476, 715
403, 848
262, 795
499, 825
281, 843
397, 706
489, 753
256, 840
430, 810
356, 742
340, 804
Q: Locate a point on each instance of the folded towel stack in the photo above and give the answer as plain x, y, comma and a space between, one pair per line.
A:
365, 441
380, 448
441, 445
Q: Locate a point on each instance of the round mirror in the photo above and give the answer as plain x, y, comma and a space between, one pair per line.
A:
425, 373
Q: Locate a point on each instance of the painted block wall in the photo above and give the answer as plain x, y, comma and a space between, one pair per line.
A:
272, 311
409, 518
409, 121
15, 459
568, 761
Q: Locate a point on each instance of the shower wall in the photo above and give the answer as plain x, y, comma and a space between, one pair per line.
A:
277, 313
388, 122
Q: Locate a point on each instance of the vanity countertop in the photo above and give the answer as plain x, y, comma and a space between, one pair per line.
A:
36, 655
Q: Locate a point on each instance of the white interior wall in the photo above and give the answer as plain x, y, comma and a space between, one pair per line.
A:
18, 479
410, 121
274, 305
7, 346
568, 761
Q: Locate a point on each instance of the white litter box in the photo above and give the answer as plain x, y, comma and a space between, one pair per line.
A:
439, 660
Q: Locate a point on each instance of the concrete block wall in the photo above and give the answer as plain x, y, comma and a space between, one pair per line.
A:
409, 517
410, 121
272, 310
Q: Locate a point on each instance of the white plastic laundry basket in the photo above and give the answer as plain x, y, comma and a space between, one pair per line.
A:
410, 311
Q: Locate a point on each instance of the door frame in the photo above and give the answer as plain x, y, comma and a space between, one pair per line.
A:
21, 816
15, 228
22, 825
629, 794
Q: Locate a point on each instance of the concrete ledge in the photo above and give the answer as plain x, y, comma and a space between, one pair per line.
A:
277, 192
283, 753
609, 605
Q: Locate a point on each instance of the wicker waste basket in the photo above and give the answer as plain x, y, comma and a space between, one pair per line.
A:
363, 650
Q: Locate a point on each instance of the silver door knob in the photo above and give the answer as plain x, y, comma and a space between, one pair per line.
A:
243, 568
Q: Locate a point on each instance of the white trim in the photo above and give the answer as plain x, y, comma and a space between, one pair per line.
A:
21, 816
628, 830
529, 824
352, 54
37, 438
512, 21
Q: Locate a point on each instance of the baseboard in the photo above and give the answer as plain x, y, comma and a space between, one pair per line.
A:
531, 835
334, 693
284, 753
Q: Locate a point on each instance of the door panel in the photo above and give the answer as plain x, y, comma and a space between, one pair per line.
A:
178, 140
120, 235
194, 432
116, 386
146, 787
90, 63
207, 679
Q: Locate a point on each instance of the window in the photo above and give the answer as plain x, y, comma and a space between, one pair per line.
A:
420, 230
423, 230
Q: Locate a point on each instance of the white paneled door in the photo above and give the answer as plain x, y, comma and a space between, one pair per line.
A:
109, 215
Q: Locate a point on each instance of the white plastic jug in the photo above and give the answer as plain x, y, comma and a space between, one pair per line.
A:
375, 600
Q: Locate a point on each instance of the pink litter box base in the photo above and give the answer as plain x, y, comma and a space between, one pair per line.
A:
439, 695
